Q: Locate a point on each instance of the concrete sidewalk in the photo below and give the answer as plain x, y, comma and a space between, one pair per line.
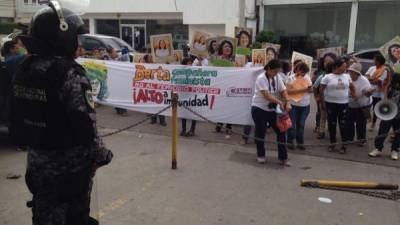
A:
215, 183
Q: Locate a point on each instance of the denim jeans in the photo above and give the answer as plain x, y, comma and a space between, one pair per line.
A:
298, 115
337, 114
261, 118
384, 128
357, 123
375, 100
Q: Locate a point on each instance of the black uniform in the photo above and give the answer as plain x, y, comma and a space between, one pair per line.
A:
53, 114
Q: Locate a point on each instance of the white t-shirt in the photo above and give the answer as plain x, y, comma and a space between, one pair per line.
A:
370, 72
203, 62
361, 85
305, 101
337, 88
199, 47
264, 84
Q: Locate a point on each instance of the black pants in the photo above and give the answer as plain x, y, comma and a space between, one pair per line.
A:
384, 128
246, 131
357, 123
63, 199
160, 117
261, 118
192, 127
219, 126
375, 100
336, 114
318, 116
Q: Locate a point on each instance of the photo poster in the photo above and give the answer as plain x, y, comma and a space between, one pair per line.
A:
212, 47
391, 51
244, 38
178, 57
226, 52
138, 57
338, 51
199, 44
272, 50
162, 48
304, 58
259, 57
240, 60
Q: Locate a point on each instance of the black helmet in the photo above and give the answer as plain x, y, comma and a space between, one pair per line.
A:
54, 31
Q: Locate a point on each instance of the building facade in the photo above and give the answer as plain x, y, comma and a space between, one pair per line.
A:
300, 25
7, 11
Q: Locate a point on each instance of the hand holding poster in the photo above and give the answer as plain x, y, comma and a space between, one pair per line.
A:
391, 51
240, 60
304, 58
244, 38
162, 48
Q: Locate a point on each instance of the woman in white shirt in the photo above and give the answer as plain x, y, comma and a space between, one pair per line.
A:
336, 88
301, 107
360, 106
265, 101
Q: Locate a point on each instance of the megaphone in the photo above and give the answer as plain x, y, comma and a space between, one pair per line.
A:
386, 110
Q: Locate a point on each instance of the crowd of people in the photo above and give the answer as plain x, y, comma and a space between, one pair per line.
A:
344, 97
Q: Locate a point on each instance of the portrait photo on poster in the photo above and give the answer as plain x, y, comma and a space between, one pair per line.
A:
178, 57
162, 48
304, 58
259, 57
212, 47
391, 51
199, 43
240, 60
322, 52
138, 58
272, 50
244, 38
226, 52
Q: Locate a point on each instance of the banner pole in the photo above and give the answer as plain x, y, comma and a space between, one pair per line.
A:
174, 101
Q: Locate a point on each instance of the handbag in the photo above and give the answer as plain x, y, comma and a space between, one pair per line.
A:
284, 123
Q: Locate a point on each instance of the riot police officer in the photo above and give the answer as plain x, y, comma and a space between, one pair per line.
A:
54, 116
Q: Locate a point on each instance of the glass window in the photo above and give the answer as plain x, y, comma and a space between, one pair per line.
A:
108, 27
377, 23
307, 27
179, 31
90, 44
133, 22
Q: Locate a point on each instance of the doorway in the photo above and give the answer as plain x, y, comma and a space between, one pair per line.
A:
134, 35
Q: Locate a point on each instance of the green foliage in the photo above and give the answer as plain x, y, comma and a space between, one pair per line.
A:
265, 36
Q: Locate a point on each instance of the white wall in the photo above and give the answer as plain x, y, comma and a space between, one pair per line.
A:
7, 8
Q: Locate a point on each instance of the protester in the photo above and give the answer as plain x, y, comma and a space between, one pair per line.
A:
300, 109
359, 107
188, 61
324, 67
336, 87
12, 57
269, 88
393, 94
125, 55
200, 61
377, 75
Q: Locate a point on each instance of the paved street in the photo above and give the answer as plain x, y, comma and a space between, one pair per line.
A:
217, 182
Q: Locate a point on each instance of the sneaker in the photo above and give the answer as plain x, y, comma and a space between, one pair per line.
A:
261, 160
375, 153
395, 155
285, 163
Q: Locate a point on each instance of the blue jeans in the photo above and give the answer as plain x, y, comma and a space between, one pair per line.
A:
261, 118
298, 115
383, 132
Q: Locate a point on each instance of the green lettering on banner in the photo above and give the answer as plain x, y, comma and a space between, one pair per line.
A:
196, 77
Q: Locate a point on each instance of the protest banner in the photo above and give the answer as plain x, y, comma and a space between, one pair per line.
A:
220, 94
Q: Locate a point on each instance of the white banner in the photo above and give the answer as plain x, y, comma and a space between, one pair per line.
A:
219, 94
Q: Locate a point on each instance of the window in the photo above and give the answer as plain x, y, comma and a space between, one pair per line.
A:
108, 27
305, 28
377, 23
91, 43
